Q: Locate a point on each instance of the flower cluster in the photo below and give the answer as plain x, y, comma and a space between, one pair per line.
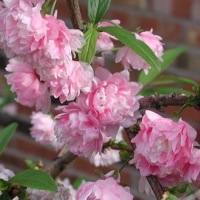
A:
78, 130
41, 49
111, 103
161, 145
44, 63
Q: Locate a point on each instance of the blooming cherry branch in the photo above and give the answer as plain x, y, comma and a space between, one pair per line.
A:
47, 59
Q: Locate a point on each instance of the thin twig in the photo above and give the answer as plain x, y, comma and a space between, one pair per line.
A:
60, 164
155, 101
157, 188
75, 14
158, 101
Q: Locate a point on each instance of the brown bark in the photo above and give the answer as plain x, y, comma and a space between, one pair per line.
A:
75, 14
60, 164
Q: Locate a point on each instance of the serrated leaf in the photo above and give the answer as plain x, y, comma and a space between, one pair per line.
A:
97, 9
35, 179
5, 136
88, 51
138, 46
164, 90
168, 58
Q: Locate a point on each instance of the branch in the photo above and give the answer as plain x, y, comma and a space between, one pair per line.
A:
157, 188
75, 14
157, 101
154, 101
60, 164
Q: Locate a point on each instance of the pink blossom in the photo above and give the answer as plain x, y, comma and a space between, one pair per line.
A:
104, 42
58, 44
67, 81
42, 129
191, 170
22, 27
113, 100
43, 40
106, 189
78, 130
25, 82
129, 58
161, 145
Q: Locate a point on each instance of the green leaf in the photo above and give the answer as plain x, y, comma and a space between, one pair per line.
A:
78, 182
97, 9
88, 51
48, 7
138, 46
3, 102
195, 101
196, 88
168, 58
5, 136
35, 179
164, 90
171, 79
